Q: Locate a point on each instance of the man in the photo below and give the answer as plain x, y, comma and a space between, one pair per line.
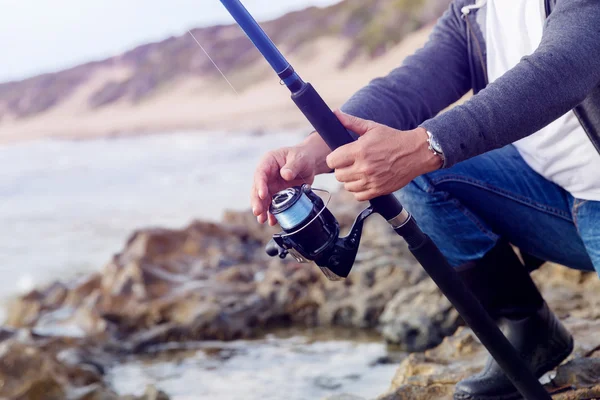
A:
517, 164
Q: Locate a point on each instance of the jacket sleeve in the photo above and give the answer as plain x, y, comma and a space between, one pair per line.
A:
428, 81
542, 87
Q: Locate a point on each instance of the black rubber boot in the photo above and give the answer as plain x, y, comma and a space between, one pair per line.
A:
506, 290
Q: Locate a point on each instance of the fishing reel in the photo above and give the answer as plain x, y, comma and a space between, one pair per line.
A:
311, 232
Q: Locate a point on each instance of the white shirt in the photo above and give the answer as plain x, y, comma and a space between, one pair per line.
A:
561, 152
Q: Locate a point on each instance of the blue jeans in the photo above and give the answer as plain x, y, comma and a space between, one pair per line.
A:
467, 208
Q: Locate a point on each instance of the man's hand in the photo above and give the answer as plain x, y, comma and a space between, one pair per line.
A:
382, 160
284, 168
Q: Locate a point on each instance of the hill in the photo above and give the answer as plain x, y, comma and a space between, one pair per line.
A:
172, 85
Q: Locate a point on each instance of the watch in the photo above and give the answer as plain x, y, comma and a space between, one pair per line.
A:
434, 146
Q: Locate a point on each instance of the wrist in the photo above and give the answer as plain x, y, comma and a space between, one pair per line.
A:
432, 158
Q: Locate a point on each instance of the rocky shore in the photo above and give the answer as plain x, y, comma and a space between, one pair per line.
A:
214, 282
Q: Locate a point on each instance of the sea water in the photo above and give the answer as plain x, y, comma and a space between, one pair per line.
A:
67, 206
274, 368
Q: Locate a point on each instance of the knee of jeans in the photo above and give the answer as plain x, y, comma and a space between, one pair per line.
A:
439, 216
418, 197
418, 191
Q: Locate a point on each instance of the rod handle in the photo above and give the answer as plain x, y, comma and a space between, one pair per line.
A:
329, 127
318, 113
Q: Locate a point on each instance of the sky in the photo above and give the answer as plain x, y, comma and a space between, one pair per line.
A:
39, 36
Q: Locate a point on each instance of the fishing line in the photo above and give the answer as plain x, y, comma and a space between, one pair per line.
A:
213, 62
230, 84
300, 211
296, 213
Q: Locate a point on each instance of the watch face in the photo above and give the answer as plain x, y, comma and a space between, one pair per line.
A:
435, 145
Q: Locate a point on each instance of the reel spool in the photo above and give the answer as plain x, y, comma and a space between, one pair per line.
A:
311, 232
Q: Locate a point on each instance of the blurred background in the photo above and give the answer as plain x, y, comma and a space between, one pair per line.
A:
111, 115
130, 263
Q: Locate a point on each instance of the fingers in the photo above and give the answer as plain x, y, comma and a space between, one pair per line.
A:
272, 220
254, 201
269, 178
355, 186
260, 194
342, 157
276, 171
345, 156
293, 167
347, 174
262, 218
258, 202
260, 180
366, 195
259, 209
357, 125
360, 190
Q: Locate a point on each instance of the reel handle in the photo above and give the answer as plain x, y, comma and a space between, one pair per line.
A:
274, 250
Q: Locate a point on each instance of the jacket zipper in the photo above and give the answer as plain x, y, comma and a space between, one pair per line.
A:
478, 48
465, 15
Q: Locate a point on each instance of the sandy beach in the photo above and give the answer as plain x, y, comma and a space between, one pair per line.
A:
210, 104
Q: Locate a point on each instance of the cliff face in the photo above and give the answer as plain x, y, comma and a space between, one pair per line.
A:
175, 71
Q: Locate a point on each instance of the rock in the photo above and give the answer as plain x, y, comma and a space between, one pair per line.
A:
579, 372
99, 392
30, 369
151, 393
36, 367
433, 374
569, 292
29, 307
214, 281
161, 277
207, 281
580, 394
419, 317
260, 232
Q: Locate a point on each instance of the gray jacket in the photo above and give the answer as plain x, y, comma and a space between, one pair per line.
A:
562, 74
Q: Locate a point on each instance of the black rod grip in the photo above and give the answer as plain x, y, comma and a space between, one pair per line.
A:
473, 313
329, 127
321, 117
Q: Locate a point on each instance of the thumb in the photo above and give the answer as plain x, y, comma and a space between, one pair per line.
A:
357, 125
292, 168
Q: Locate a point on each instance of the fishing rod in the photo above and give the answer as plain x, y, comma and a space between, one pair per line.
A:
310, 231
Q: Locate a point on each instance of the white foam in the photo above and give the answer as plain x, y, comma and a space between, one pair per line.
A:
294, 369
